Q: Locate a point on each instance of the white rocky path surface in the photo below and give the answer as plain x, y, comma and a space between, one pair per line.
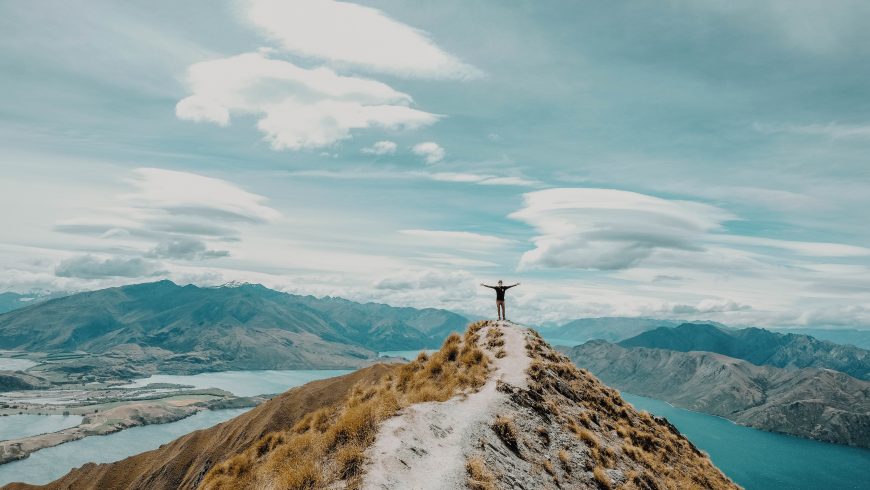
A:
426, 445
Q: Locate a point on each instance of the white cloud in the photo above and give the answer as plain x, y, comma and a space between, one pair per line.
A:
198, 108
169, 215
344, 33
458, 238
482, 179
187, 248
188, 194
610, 229
293, 126
830, 130
454, 260
380, 148
90, 267
430, 151
513, 181
298, 107
813, 249
709, 305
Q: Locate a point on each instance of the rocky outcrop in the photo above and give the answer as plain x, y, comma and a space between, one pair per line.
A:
815, 403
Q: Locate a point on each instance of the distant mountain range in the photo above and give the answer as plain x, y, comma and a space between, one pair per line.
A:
174, 328
848, 336
815, 403
12, 301
758, 346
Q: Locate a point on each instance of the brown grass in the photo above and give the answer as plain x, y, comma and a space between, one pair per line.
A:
548, 467
601, 477
543, 434
506, 430
589, 438
479, 476
657, 454
328, 446
565, 459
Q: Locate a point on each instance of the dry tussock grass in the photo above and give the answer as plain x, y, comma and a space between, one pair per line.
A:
657, 454
506, 430
328, 445
479, 476
565, 459
601, 477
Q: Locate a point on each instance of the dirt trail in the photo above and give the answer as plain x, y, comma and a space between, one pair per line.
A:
425, 445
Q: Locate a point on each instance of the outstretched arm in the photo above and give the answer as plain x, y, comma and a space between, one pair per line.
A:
487, 286
513, 285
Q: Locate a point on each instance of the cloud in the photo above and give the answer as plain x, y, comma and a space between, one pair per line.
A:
458, 238
812, 249
830, 130
458, 177
186, 248
168, 214
483, 179
608, 229
347, 34
709, 306
298, 108
380, 148
425, 279
430, 151
187, 194
90, 267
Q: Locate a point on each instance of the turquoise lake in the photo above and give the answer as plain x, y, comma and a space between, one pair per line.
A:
26, 425
244, 383
760, 460
51, 463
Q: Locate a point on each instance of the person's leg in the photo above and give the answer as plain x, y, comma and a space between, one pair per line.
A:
503, 313
498, 310
501, 310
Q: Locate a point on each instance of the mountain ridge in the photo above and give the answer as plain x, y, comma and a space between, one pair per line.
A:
164, 327
758, 346
820, 404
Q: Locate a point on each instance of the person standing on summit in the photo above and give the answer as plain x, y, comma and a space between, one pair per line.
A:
499, 297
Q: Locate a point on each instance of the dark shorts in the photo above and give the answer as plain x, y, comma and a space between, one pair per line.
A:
499, 301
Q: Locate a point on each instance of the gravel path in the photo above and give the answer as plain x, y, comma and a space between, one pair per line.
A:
425, 445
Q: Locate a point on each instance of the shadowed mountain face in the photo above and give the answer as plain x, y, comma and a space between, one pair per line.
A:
758, 346
809, 402
190, 328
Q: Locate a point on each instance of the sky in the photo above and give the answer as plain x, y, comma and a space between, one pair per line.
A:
677, 159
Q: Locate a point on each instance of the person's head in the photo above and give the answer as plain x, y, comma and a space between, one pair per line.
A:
499, 282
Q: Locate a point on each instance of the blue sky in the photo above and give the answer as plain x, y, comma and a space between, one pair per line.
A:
670, 159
